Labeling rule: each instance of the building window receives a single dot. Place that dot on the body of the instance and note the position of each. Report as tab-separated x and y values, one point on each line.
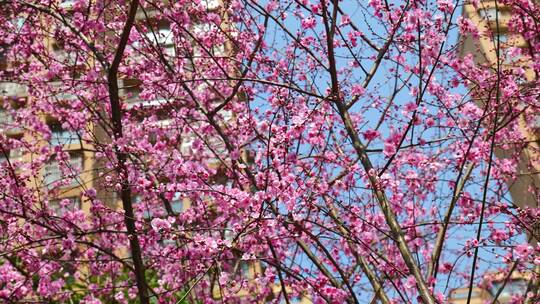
61	206
503	38
18	22
5	115
462	294
110	198
512	55
13	154
9	106
143	206
62	55
130	88
537	122
67	4
512	287
61	136
210	4
215	50
150	210
204	28
177	203
490	14
186	144
162	37
61	92
53	171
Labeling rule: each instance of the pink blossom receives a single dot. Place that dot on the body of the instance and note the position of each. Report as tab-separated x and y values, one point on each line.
160	224
523	250
370	134
445	5
389	148
357	90
430	122
308	23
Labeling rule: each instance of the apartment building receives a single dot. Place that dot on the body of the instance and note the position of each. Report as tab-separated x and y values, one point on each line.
495	288
492	17
504	49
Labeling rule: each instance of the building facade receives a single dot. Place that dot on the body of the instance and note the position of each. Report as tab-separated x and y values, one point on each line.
504	50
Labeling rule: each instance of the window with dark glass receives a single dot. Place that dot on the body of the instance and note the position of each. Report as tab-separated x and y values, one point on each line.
61	136
60	206
53	172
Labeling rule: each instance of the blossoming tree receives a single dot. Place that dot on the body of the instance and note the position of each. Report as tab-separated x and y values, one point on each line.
252	151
